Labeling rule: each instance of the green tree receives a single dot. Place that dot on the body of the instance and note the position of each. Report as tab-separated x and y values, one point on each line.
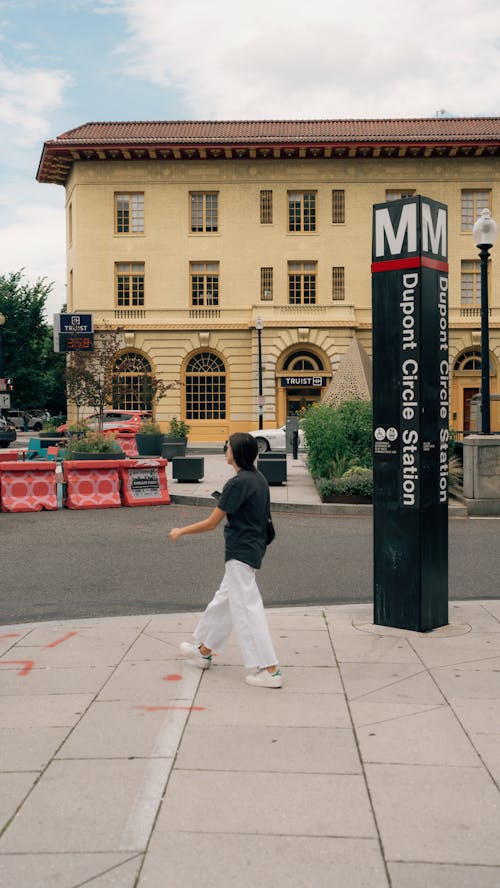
28	352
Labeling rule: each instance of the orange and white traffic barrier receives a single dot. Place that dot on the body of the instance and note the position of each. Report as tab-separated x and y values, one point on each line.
28	486
128	444
144	482
92	484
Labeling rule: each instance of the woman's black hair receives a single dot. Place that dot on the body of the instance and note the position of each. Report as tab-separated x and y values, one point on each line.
244	448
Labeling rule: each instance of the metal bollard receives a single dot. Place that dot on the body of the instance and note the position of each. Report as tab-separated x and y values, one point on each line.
295	443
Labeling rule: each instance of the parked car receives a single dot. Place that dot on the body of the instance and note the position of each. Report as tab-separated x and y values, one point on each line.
274	439
18	418
114	421
7	432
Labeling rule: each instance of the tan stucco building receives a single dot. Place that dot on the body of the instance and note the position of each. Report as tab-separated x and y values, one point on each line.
186	235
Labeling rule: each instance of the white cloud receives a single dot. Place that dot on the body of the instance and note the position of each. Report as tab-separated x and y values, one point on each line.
27	97
34	239
284	58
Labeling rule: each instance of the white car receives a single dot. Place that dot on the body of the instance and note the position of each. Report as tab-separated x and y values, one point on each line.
274	439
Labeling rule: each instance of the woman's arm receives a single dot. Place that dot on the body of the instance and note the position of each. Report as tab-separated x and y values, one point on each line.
209	523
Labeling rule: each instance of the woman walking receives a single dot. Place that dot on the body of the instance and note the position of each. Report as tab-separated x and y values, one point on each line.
238	603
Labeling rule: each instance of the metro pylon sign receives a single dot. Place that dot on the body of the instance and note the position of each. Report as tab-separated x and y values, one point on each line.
410	413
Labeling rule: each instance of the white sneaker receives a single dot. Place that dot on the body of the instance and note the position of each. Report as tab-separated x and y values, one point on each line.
264	679
194	655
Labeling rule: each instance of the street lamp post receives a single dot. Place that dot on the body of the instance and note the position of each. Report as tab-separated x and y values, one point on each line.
2	322
258	326
485	233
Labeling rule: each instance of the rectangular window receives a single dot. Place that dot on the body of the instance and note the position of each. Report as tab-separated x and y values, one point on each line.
338	206
204	211
302	211
129	213
266	207
129	284
338	283
302	283
472	204
266	284
399	195
204	283
470	284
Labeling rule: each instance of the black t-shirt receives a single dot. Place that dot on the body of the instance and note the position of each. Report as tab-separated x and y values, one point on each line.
245	500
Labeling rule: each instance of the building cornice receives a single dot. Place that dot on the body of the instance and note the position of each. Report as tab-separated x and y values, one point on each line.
327	140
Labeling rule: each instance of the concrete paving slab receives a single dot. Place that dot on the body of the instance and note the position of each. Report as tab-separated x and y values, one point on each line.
250	706
120	730
364	712
268	804
386	682
67	870
103	806
493	608
256	748
425	875
436	814
227	861
457	683
457	651
297	680
476	614
478	716
374	649
51	710
425	738
146	682
488	747
29	749
13	789
293	648
63	680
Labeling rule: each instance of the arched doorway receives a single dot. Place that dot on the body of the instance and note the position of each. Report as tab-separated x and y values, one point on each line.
301	382
206	396
132	375
467	383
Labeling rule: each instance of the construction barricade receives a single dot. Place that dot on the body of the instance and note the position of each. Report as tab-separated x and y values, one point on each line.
127	443
10	455
28	487
144	482
92	484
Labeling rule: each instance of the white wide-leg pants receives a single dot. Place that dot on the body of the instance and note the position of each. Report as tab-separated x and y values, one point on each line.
238	603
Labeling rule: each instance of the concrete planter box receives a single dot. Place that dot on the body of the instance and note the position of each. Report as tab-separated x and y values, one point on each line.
273	467
149	445
188	468
173	447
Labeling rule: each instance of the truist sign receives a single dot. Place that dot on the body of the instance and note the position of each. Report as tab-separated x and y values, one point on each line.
410	413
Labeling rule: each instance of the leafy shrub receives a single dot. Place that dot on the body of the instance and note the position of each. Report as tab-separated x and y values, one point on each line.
95	442
178	428
149	427
352	484
338	437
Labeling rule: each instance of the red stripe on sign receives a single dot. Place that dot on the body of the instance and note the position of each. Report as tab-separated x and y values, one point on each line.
434	263
409	262
395	264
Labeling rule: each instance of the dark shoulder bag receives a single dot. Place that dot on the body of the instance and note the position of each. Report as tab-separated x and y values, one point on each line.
270	531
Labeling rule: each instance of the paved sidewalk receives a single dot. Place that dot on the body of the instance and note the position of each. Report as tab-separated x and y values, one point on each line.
378	763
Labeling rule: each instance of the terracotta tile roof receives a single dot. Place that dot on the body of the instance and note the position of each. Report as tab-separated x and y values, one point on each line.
442	129
260	139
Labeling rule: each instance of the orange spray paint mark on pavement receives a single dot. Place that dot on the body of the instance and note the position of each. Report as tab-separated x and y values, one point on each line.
172	677
54	644
11	635
26	664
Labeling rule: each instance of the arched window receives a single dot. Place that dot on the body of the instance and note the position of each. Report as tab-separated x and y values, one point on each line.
132	382
468	360
303	360
205	387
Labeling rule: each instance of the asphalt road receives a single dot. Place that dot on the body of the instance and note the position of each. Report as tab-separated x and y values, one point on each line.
77	564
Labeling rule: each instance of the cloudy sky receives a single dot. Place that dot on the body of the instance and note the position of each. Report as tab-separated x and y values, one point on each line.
66	62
